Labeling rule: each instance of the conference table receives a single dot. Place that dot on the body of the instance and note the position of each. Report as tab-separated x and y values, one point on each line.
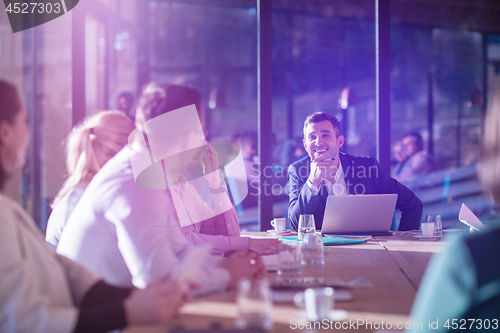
390	269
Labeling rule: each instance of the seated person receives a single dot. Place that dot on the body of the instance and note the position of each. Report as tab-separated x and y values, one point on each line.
124	103
418	162
129	234
327	172
399	157
462	284
199	223
89	146
42	291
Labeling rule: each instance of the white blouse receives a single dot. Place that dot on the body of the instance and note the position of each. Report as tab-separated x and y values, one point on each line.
39	289
60	214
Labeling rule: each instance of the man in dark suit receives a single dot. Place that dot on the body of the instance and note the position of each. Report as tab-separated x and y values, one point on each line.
327	172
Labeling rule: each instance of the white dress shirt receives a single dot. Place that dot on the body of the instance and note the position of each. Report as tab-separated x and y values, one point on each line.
130	235
336	188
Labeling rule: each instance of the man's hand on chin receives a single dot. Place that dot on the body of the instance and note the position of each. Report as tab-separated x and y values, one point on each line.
321	168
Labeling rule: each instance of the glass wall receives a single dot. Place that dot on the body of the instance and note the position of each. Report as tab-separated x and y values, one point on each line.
322	52
441	65
324	60
213	47
110	53
39	62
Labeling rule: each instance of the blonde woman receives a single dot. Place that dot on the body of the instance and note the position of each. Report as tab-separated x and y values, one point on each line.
461	287
89	146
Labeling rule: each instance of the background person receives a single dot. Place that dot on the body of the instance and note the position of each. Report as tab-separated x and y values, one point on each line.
41	291
463	283
326	171
124	103
418	161
399	157
89	146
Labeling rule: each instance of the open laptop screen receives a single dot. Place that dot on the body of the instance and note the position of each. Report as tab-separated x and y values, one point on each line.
369	214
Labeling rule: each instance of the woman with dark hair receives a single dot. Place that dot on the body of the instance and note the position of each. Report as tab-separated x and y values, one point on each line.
41	291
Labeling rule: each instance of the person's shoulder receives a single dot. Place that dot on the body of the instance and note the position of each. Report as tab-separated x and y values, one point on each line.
8	206
6	209
483	248
484	239
363	160
11	213
421	156
303	161
113	175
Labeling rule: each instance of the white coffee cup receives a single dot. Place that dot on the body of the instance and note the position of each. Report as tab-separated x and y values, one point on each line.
279	224
319	302
427	229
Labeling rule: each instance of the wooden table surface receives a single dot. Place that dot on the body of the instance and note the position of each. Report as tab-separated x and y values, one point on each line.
394	265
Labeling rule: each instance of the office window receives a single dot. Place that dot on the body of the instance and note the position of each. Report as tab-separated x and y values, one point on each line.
439	84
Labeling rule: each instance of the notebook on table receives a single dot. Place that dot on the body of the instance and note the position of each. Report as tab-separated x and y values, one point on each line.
369	214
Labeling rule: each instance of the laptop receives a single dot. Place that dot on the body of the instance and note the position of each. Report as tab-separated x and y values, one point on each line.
369	214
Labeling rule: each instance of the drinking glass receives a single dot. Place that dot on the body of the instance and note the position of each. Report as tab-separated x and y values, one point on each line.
313	252
254	302
306	225
289	258
319	302
436	219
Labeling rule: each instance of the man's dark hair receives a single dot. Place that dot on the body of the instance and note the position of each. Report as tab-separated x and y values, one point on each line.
418	139
318	117
159	98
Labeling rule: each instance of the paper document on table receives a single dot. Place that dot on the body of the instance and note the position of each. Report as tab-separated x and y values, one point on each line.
303	282
467	217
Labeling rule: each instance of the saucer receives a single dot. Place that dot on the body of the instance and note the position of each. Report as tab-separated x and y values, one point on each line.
335	315
427	237
274	232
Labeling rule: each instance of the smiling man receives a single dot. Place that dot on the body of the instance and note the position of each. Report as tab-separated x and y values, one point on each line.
326	171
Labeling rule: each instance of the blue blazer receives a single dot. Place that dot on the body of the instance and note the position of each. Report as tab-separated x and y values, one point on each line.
362	175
